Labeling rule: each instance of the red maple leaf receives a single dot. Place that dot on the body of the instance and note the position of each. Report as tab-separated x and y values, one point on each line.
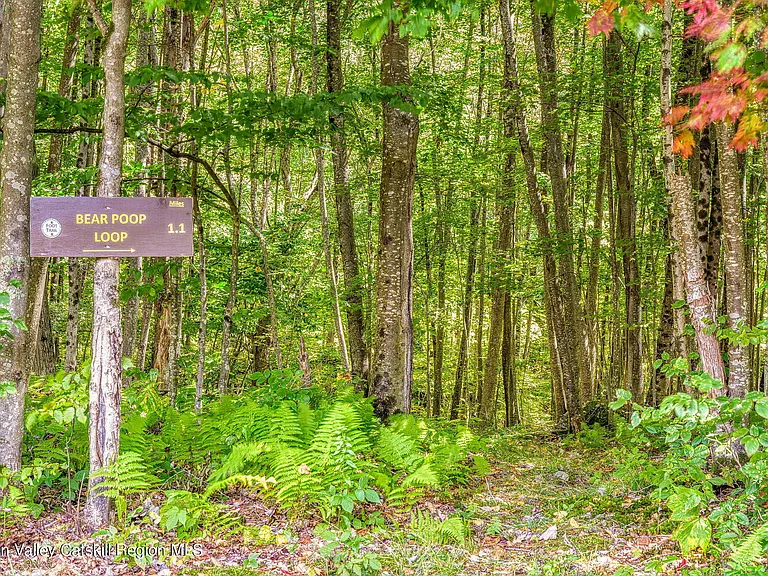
676	114
746	134
696	6
722	97
709	26
601	22
683	144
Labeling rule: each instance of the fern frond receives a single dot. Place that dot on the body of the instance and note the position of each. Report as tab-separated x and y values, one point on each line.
398	450
245	480
433	531
250	456
126	475
751	548
423	476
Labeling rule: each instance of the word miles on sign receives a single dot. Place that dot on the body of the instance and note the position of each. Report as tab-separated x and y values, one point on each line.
110	227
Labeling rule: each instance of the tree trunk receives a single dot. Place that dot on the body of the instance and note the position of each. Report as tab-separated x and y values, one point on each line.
442	206
393	370
590	306
679	185
76	267
319	153
353	285
499	292
106	349
203	324
572	344
141	157
44	360
65	84
565	378
660	383
735	260
17	163
627	209
481	288
229	308
508	360
461	362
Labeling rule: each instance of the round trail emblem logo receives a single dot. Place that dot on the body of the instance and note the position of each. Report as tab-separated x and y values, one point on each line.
51	228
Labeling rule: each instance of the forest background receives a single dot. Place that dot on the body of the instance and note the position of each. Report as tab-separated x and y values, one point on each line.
483	215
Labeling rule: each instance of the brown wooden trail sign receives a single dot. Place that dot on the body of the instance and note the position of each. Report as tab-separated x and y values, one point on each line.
110	227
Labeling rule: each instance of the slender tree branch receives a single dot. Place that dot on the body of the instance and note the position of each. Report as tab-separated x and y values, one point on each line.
98	18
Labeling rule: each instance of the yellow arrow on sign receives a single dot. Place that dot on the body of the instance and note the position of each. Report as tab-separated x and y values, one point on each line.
112	250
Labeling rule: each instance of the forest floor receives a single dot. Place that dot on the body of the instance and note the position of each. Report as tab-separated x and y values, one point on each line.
548	507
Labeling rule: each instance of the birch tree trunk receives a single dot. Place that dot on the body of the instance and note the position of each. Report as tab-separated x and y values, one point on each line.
735	260
393	358
679	186
106	348
17	166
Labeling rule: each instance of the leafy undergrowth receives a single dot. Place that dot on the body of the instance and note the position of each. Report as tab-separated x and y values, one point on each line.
544	507
306	481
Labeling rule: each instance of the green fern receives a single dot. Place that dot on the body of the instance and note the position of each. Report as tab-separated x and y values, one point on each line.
245	480
424	475
433	531
341	423
751	548
398	450
192	515
285	426
247	456
125	476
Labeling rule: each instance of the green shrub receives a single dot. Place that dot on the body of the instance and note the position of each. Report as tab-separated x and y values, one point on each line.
693	447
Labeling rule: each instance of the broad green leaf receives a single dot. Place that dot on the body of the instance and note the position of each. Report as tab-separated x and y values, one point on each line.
751	445
693	534
761	407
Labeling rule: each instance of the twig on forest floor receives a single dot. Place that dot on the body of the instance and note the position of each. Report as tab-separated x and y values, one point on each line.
571	546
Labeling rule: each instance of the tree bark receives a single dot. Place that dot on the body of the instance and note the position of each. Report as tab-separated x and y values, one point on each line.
229	308
141	157
469	284
508	360
44	360
627	214
393	369
353	284
679	186
442	205
565	380
660	387
572	343
319	153
65	84
499	293
735	259
76	267
106	349
17	163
